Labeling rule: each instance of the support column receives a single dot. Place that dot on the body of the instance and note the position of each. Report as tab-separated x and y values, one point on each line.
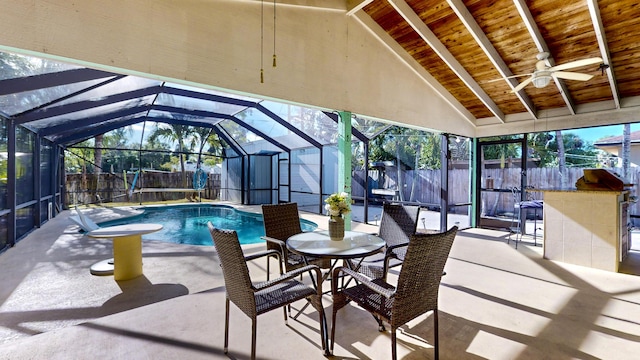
445	156
344	158
11	182
474	175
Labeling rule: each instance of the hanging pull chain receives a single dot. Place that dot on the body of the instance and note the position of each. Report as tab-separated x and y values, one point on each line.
274	33
262	42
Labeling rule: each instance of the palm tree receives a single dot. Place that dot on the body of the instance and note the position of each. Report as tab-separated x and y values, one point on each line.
176	133
118	138
201	135
404	147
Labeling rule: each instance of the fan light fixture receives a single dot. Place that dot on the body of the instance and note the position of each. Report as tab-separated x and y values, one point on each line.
542	79
543	73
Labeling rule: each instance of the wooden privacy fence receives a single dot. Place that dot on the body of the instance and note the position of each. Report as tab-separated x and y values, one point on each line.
418	186
106	187
427	189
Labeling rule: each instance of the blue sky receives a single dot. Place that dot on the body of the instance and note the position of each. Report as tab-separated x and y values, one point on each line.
593	134
587	134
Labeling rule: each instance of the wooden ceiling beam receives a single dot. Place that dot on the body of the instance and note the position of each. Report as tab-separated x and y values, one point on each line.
594	11
354	6
402	54
428	36
541	44
483	41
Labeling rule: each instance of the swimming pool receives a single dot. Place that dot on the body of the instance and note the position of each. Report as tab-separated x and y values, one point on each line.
187	224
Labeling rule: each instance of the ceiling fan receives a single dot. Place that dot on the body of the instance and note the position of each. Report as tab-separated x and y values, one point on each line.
543	73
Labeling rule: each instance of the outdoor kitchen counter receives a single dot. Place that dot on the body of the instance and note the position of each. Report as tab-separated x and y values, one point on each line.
572	190
586	227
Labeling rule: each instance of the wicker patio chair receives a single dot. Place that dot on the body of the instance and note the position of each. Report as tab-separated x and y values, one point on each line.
415	293
398	224
258	298
282	221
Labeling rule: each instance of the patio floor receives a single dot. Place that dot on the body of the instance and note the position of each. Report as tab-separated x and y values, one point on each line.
496	302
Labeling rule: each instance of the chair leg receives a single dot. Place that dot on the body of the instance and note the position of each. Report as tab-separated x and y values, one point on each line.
226	326
254	329
520	227
385	268
324	332
333	328
535	225
268	267
381	327
435	334
513	229
394	351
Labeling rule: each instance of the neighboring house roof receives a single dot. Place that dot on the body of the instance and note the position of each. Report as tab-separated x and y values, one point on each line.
617	140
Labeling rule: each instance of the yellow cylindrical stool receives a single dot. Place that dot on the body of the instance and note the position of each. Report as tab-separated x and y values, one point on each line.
127	247
127	257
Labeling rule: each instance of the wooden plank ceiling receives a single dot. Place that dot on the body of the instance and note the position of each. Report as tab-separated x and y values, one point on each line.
466	44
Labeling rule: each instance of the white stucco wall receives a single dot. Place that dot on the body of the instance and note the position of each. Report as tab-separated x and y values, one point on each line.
634	153
325	58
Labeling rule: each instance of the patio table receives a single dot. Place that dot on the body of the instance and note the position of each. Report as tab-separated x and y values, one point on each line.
318	244
127	249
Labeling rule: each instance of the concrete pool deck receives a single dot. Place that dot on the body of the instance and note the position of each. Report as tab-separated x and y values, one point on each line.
496	302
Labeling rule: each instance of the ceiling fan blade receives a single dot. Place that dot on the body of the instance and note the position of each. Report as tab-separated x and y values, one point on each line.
568	75
509	77
577	63
522	85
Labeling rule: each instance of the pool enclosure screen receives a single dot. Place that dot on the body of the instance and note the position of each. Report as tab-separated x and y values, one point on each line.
73	135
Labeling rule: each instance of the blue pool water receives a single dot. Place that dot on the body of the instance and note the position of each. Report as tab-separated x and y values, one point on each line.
188	224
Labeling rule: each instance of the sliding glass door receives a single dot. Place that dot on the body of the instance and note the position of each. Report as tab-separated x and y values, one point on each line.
501	168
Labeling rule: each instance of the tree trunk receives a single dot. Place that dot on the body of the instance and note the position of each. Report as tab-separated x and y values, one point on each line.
182	169
414	183
626	151
400	181
562	166
97	157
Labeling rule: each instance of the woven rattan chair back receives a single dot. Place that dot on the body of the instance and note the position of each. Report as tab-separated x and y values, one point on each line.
398	224
420	276
260	297
281	221
234	270
415	293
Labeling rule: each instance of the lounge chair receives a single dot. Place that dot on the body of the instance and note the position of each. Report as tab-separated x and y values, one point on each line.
83	221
